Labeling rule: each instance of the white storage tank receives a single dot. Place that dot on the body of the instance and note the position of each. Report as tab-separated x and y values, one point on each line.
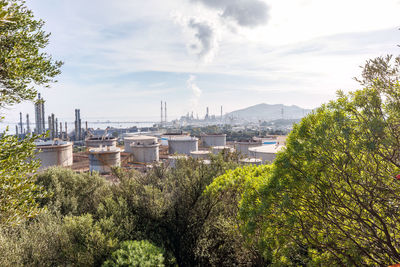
200	154
173	159
101	141
102	159
183	145
142	139
218	149
54	153
210	140
251	161
145	149
243	146
266	153
165	137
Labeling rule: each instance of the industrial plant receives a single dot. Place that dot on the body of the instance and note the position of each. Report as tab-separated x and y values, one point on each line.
100	150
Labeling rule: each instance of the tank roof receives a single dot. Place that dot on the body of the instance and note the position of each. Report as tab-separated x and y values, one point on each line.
250	160
183	138
268	149
100	138
104	150
200	152
140	138
52	143
213	134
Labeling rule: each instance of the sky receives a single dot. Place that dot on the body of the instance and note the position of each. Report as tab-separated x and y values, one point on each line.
123	57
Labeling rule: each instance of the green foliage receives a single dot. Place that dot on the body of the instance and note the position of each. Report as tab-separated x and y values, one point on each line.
22	64
332	197
137	253
21	57
83	243
223	239
71	192
18	190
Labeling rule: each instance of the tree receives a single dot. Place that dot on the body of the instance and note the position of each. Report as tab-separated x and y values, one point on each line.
22	61
18	190
22	64
333	193
137	253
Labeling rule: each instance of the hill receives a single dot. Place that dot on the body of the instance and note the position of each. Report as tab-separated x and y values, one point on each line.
267	112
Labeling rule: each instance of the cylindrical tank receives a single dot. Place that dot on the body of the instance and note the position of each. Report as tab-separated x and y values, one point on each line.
210	140
250	161
145	153
165	137
183	145
243	146
200	154
101	141
138	139
173	159
266	153
218	149
54	153
102	159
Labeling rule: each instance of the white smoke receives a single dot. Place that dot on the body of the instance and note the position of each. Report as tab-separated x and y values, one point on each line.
206	43
195	90
246	13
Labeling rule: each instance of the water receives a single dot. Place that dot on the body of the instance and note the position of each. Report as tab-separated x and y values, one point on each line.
101	124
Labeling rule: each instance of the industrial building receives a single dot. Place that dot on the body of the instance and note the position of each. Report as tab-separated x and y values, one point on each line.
218	149
145	149
210	140
174	159
183	145
266	153
102	159
243	146
54	153
39	116
251	161
101	141
200	154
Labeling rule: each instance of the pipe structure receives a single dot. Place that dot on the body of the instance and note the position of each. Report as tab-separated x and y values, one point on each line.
20	123
28	126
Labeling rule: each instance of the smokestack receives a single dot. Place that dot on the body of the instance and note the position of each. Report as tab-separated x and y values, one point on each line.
16	130
50	124
80	124
20	123
56	133
42	116
221	113
28	126
53	126
161	113
165	106
61	131
86	128
66	131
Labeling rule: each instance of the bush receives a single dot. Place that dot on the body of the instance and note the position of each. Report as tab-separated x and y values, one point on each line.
136	253
71	193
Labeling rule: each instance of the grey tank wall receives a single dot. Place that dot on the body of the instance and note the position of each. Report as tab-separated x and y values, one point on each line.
182	146
243	148
145	153
213	140
101	143
55	156
102	162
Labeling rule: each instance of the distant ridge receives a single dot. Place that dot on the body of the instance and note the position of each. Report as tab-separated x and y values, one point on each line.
267	112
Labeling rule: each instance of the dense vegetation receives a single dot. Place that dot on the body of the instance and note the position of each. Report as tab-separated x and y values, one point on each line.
23	66
331	198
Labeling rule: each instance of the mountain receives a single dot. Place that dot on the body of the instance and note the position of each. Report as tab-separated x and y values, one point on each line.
266	112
